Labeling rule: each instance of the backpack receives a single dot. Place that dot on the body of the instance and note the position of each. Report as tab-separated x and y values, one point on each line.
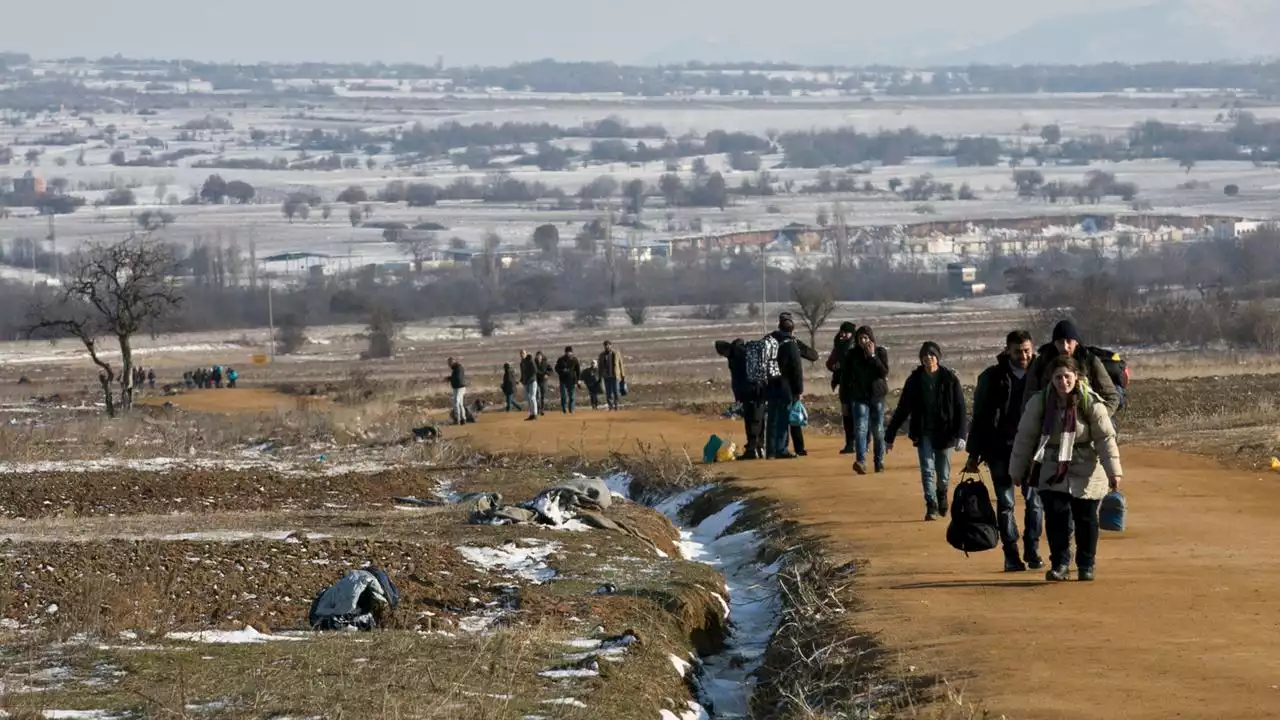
973	518
1114	362
1111	514
757	357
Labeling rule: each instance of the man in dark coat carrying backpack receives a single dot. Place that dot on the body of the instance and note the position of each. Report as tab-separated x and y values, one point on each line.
1067	341
747	393
997	409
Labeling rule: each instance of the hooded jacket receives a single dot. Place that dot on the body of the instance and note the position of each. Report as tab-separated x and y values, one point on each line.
997	409
839	349
457	376
1095	442
951	423
1041	372
508	380
864	378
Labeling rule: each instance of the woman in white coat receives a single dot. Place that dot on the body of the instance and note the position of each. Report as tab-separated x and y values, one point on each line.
1066	447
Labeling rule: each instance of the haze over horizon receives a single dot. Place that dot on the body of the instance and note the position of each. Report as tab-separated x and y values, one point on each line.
808	31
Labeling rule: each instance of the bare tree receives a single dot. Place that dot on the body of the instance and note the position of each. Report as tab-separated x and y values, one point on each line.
111	290
636	305
815	302
417	245
292	334
382	333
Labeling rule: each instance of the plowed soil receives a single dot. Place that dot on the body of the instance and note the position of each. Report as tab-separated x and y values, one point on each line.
1183	621
128	492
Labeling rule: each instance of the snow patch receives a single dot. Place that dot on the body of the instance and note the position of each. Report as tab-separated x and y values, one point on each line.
228	637
526	563
695	712
568	701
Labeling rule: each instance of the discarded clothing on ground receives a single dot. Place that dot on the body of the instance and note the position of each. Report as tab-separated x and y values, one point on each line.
580	498
426	432
360	600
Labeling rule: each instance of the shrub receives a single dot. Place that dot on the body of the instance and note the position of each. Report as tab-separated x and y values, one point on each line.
292	334
381	335
593	314
637	308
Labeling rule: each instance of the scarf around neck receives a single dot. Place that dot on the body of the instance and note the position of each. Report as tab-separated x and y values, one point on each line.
1070	424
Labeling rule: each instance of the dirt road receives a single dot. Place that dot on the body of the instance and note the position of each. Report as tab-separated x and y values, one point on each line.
1183	621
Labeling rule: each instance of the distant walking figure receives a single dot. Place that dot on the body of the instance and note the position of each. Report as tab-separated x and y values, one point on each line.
611	372
458	383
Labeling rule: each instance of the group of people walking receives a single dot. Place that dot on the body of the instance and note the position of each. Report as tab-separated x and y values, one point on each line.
209	377
604	376
142	377
1042	421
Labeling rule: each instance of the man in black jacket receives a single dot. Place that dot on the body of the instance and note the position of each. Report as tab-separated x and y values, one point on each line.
747	394
529	379
997	409
864	381
544	372
785	387
458	383
933	399
569	373
836	366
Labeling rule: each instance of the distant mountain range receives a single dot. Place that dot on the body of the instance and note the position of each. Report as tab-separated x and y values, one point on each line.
1183	30
1180	30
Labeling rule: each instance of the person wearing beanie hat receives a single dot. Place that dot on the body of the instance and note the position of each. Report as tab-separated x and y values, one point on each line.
1068	342
865	383
933	400
835	365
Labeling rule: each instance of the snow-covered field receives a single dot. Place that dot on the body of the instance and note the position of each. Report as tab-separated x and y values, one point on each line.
265	226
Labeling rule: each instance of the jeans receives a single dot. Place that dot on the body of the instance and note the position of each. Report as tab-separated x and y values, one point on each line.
511	402
460	405
1005	496
611	392
542	398
868	421
531	398
935	473
777	426
594	392
753	412
567	391
1060	511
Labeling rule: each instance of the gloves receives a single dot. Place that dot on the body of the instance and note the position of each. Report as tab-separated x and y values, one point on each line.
960	445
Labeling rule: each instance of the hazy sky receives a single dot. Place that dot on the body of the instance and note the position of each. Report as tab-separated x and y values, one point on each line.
502	31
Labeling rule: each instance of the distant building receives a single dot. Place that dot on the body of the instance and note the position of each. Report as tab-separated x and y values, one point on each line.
962	280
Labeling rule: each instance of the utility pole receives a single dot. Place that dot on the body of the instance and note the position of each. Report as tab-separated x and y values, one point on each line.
271	325
764	286
53	248
608	249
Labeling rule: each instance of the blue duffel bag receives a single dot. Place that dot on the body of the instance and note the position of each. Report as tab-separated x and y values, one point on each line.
1111	515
